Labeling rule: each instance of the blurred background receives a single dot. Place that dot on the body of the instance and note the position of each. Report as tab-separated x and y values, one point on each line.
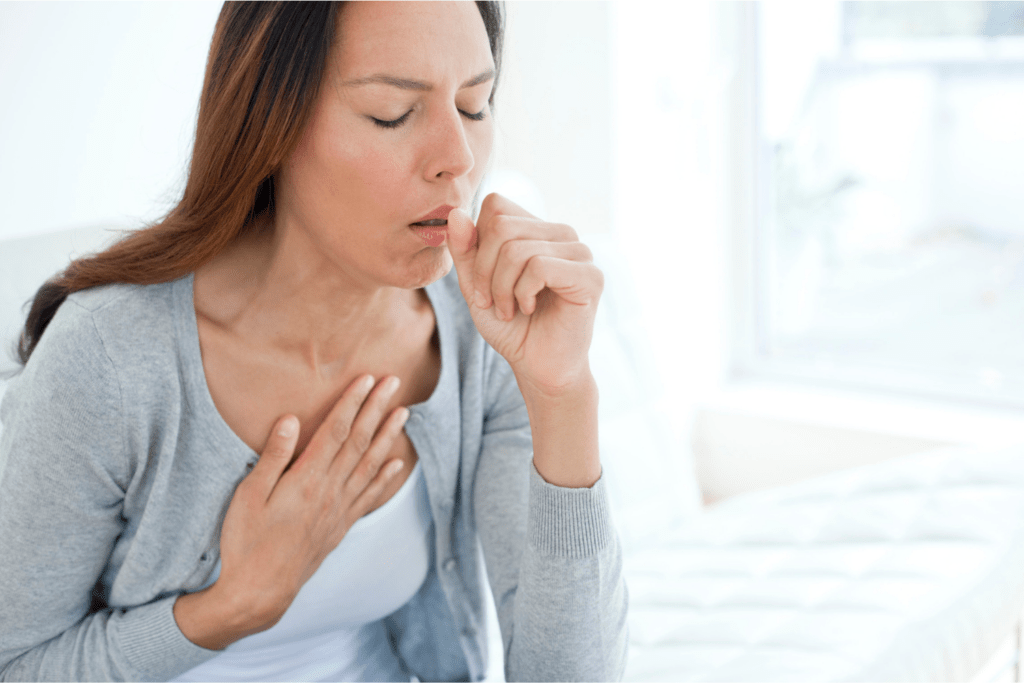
810	211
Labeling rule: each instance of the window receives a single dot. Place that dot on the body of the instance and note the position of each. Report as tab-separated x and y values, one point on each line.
889	239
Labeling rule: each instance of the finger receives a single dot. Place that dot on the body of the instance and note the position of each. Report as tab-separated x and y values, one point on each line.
375	488
276	455
335	430
576	282
512	260
462	247
501	229
495	204
369	465
365	426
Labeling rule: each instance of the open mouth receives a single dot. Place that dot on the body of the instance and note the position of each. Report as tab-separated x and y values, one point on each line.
434	232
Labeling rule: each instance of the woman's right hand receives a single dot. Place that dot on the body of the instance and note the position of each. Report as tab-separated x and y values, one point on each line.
286	516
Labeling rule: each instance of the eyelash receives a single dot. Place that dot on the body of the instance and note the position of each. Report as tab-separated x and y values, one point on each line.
395	123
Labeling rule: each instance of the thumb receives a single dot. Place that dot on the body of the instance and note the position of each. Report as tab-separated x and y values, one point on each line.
463	247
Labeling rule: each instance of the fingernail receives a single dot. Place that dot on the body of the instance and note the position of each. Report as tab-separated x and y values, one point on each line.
403	416
394	467
392	383
287	426
480	299
368	383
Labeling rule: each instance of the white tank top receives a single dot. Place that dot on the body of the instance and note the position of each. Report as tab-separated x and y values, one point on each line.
333	629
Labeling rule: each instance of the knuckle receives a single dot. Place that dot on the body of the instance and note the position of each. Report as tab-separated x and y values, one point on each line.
482	277
276	451
489	201
512	250
503	226
361	476
567	232
340	429
310	489
375	457
360	440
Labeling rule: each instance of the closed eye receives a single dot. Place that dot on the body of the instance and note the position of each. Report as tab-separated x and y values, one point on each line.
479	116
395	123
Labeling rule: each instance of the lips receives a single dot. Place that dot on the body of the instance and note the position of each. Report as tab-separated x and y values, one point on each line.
436	218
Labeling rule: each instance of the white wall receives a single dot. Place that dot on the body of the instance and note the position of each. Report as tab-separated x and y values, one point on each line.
99	106
100	101
554	108
670	78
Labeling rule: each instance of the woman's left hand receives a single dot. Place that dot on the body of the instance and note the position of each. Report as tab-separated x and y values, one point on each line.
532	290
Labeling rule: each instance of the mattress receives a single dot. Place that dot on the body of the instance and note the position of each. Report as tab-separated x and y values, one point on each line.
910	569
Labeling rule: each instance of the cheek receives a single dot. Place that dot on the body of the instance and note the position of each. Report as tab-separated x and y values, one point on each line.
380	171
357	175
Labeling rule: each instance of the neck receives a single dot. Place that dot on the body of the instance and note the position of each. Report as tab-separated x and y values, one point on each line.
275	289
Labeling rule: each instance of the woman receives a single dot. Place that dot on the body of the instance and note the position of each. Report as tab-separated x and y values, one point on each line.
297	304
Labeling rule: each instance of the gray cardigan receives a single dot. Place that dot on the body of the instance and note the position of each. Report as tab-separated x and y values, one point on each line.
119	470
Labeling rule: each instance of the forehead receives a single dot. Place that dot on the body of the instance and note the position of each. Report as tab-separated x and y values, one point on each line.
411	39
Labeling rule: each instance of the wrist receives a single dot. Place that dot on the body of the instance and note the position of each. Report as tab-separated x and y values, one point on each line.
581	389
214	618
565	433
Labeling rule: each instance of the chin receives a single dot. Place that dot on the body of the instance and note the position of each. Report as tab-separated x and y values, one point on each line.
429	266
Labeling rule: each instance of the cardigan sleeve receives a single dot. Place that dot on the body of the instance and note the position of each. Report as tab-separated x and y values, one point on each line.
65	470
553	557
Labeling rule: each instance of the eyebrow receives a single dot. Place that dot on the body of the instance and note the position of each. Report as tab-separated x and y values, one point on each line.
409	84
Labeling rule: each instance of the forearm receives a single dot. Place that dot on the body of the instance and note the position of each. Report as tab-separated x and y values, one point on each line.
136	644
569	618
559	587
553	557
565	436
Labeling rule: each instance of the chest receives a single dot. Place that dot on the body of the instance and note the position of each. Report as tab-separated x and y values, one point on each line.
253	387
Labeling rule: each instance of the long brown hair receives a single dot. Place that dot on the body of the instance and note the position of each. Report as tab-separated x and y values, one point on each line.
263	75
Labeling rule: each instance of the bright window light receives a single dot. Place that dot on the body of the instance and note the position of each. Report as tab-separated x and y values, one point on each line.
890	237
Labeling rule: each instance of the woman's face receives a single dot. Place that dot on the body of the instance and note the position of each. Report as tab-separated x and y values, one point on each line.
402	127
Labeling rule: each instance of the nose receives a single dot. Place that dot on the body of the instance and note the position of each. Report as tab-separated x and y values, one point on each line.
449	153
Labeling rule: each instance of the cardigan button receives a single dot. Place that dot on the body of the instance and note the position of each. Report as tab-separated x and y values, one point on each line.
469	632
450	564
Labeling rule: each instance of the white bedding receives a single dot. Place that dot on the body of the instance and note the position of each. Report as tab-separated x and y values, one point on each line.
912	569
